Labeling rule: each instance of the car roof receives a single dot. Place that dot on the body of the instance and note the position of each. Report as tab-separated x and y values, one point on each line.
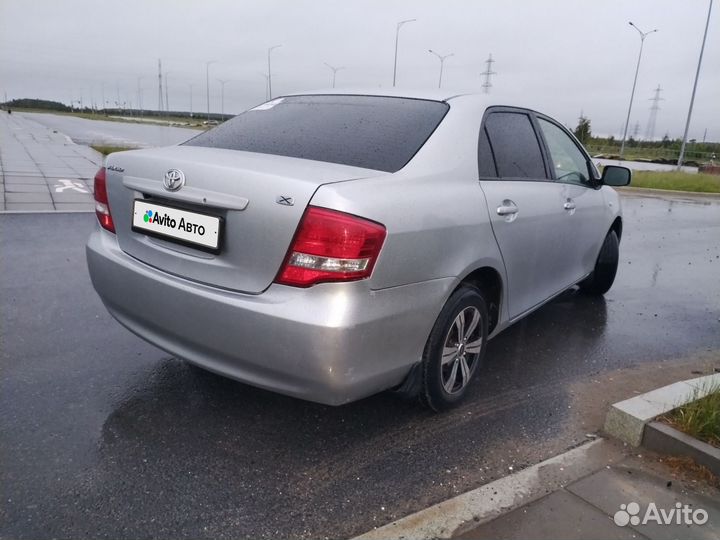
416	93
434	94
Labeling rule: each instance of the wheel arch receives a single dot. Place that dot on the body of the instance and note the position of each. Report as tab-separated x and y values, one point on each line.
617	226
490	283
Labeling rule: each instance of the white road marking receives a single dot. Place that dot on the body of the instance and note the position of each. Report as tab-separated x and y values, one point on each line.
70	184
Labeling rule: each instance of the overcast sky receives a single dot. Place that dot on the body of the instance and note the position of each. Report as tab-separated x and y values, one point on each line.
560	56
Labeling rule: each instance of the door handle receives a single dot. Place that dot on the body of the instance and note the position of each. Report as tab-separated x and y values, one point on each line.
569	205
508	208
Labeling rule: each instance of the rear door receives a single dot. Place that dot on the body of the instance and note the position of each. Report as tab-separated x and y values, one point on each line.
523	205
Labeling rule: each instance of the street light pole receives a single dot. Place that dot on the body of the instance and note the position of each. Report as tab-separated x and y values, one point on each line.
334	70
442	63
270	72
397	36
643	35
222	96
207	85
167	103
191	92
267	80
139	98
692	97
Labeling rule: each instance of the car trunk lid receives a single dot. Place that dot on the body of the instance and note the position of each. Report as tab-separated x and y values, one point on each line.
259	198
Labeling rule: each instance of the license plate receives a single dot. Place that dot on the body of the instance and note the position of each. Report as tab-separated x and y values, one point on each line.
199	230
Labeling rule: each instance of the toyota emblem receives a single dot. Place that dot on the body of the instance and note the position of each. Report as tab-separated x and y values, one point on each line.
174	180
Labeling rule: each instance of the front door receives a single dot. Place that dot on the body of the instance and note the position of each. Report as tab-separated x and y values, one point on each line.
583	230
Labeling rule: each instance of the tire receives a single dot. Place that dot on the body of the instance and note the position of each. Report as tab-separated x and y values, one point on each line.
603	275
445	380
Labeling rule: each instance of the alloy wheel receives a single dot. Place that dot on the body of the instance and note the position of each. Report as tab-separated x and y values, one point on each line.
461	350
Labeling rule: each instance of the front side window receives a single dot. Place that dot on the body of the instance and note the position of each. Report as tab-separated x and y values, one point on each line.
568	161
372	132
515	146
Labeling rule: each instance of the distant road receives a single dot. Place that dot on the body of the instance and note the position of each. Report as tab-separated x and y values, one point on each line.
643	165
84	131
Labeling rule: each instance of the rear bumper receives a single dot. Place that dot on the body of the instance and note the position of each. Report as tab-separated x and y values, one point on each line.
332	343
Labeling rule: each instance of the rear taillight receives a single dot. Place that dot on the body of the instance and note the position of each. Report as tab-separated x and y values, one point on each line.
331	246
102	206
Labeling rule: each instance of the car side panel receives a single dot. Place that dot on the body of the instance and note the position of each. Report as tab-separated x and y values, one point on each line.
584	230
529	240
436	227
613	210
433	208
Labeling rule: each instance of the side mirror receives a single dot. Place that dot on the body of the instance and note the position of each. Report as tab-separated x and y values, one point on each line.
613	175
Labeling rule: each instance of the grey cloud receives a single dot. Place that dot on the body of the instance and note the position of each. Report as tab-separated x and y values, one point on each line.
562	57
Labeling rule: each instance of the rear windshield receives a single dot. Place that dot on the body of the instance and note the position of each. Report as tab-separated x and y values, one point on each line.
381	133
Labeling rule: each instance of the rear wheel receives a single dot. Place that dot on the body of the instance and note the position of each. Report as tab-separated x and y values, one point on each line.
455	349
603	275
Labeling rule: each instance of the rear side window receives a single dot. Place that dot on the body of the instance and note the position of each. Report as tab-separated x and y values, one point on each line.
515	146
486	161
373	132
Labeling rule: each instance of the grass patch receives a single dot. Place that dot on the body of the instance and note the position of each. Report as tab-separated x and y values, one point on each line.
106	149
679	181
700	418
655	153
686	468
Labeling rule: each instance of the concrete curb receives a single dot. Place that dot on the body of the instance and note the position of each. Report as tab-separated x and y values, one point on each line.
665	439
464	512
626	420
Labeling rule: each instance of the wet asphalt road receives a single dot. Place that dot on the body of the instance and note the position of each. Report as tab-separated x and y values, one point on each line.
102	435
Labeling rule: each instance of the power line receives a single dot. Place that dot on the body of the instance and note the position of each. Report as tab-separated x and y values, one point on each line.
160	90
488	73
654	108
167	99
643	35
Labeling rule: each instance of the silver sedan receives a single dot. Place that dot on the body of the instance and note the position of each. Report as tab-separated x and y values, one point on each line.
330	246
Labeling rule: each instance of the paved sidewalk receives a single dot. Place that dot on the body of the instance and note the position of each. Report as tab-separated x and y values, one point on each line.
586	508
599	490
43	170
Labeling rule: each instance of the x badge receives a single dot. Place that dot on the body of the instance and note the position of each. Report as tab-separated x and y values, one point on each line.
286	201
